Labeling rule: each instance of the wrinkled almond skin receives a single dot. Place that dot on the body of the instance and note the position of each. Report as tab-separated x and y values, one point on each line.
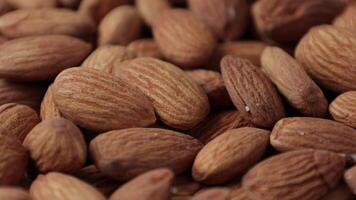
178	101
350	178
56	145
230	155
348	18
13	193
302	174
145	48
195	44
293	82
57	186
251	91
326	52
126	153
154	184
48	109
100	101
213	193
26	4
39	58
150	9
343	108
237	192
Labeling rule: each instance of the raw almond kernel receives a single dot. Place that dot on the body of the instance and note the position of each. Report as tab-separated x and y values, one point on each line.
56	145
343	108
26	4
293	82
126	153
178	100
350	178
145	48
48	109
150	9
326	52
348	18
57	186
154	184
302	174
341	192
120	26
237	192
213	193
251	91
183	39
100	101
20	23
40	57
13	193
230	155
18	120
315	133
226	18
184	185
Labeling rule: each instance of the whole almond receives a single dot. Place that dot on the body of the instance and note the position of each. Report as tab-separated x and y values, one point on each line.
154	184
126	153
350	178
13	193
150	9
293	82
145	48
48	109
26	4
343	108
178	100
348	18
40	57
326	52
183	39
100	101
213	193
303	174
230	155
251	91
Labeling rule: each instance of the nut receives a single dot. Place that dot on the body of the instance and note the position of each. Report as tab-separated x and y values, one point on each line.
145	48
150	9
13	193
343	108
48	109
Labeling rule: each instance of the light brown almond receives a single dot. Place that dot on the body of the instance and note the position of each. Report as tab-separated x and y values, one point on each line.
26	4
150	9
348	18
145	48
13	193
343	108
350	178
48	108
184	185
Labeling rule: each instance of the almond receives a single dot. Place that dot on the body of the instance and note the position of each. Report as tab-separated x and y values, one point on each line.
184	185
237	192
25	4
326	52
5	7
13	193
127	153
145	48
48	109
341	192
99	101
348	18
350	178
178	100
343	108
213	193
150	9
251	92
183	39
303	174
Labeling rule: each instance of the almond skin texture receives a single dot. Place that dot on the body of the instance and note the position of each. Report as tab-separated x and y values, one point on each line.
315	133
183	39
40	57
145	48
13	193
251	91
184	185
18	120
25	4
56	145
127	153
178	101
293	82
21	23
348	18
154	184
150	9
57	186
230	155
303	174
48	109
350	178
213	193
99	101
343	108
326	52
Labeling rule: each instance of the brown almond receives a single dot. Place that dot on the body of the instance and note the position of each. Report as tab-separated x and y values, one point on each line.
145	48
213	193
26	4
184	185
343	108
48	108
5	7
13	193
347	19
237	192
150	9
341	192
350	178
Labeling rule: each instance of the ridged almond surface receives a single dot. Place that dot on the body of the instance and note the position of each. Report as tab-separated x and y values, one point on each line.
26	4
213	193
327	54
40	57
13	193
100	101
124	154
154	184
237	192
230	155
183	38
302	174
48	109
178	100
150	9
251	91
145	48
348	18
293	82
343	108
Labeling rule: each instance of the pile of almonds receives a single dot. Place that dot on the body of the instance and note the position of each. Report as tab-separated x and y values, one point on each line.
177	99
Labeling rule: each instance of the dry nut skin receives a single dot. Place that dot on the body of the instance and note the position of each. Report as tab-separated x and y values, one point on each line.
120	26
341	192
150	9
184	185
213	193
343	108
57	186
230	155
183	38
18	120
154	184
226	18
303	174
251	91
100	101
237	192
40	57
145	48
350	178
26	4
56	145
48	109
286	21
13	193
124	154
327	54
293	82
178	101
348	18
